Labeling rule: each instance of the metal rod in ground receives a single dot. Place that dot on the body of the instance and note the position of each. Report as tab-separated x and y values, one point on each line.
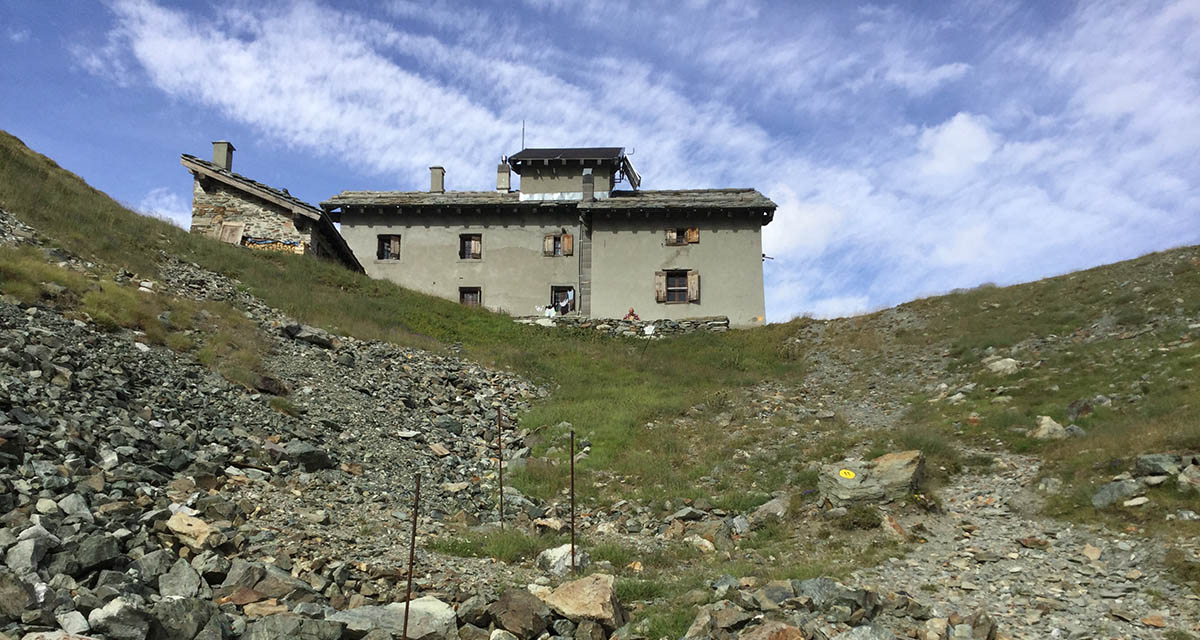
412	555
500	460
572	501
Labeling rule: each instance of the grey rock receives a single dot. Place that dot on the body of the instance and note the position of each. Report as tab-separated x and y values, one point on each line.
181	581
187	619
557	560
687	514
311	335
97	551
15	596
1188	480
75	505
309	456
123	618
154	564
72	622
428	619
1114	492
473	611
26	555
521	613
1157	464
289	626
868	632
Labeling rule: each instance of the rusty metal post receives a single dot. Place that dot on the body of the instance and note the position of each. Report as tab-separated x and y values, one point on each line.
500	460
572	502
412	555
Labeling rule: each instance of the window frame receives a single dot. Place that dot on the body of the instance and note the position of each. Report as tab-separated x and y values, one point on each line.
680	290
564	289
681	236
463	292
380	245
464	252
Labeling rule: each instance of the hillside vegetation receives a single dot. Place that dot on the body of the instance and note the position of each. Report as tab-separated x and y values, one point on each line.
723	423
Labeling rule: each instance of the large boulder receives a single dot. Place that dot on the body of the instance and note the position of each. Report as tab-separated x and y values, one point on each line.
591	598
428	619
309	456
289	626
1188	480
1157	464
194	532
520	613
311	335
892	476
1114	492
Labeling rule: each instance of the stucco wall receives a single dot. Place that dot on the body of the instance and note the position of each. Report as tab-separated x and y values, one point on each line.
214	203
626	253
560	179
513	274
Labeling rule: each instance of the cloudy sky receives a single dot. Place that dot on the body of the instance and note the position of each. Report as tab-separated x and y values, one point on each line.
912	148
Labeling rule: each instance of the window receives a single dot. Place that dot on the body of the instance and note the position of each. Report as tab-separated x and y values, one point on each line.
680	236
562	244
388	247
470	296
677	286
562	299
470	246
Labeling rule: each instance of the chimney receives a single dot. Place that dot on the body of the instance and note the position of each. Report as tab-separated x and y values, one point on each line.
437	180
503	178
589	186
223	154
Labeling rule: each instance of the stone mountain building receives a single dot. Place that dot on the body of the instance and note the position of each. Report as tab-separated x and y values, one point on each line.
235	209
568	238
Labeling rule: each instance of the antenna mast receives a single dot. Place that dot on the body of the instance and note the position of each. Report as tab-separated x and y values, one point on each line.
522	133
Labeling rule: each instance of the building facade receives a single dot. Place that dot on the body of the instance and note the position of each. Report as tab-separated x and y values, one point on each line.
233	208
567	240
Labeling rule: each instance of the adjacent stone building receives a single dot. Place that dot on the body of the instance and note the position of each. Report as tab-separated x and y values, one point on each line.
235	209
568	239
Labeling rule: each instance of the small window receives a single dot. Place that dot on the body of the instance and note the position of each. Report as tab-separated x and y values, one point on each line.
388	247
677	286
558	244
470	296
470	246
680	236
562	299
231	232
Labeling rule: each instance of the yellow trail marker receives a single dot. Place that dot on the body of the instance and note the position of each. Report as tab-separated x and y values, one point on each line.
847	474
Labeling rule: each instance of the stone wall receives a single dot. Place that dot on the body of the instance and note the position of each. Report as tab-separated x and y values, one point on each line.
634	328
267	226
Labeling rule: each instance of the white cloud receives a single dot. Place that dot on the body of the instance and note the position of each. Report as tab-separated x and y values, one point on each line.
19	35
168	205
955	147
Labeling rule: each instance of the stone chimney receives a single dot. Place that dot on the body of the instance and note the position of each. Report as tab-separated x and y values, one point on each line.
503	178
223	154
437	180
589	186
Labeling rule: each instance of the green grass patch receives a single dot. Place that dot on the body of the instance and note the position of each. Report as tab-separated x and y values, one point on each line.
510	545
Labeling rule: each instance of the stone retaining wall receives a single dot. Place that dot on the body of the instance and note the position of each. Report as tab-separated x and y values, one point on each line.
634	328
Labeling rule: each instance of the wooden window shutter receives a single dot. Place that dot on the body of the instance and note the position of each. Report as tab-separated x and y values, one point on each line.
476	247
660	286
548	245
670	239
231	232
394	247
693	286
693	235
568	244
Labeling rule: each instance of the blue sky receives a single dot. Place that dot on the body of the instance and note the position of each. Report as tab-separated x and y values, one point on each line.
912	148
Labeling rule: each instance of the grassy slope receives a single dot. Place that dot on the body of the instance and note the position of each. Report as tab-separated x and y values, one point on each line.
606	387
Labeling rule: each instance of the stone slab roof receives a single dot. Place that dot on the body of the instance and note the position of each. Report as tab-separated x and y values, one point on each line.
618	200
578	153
252	186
